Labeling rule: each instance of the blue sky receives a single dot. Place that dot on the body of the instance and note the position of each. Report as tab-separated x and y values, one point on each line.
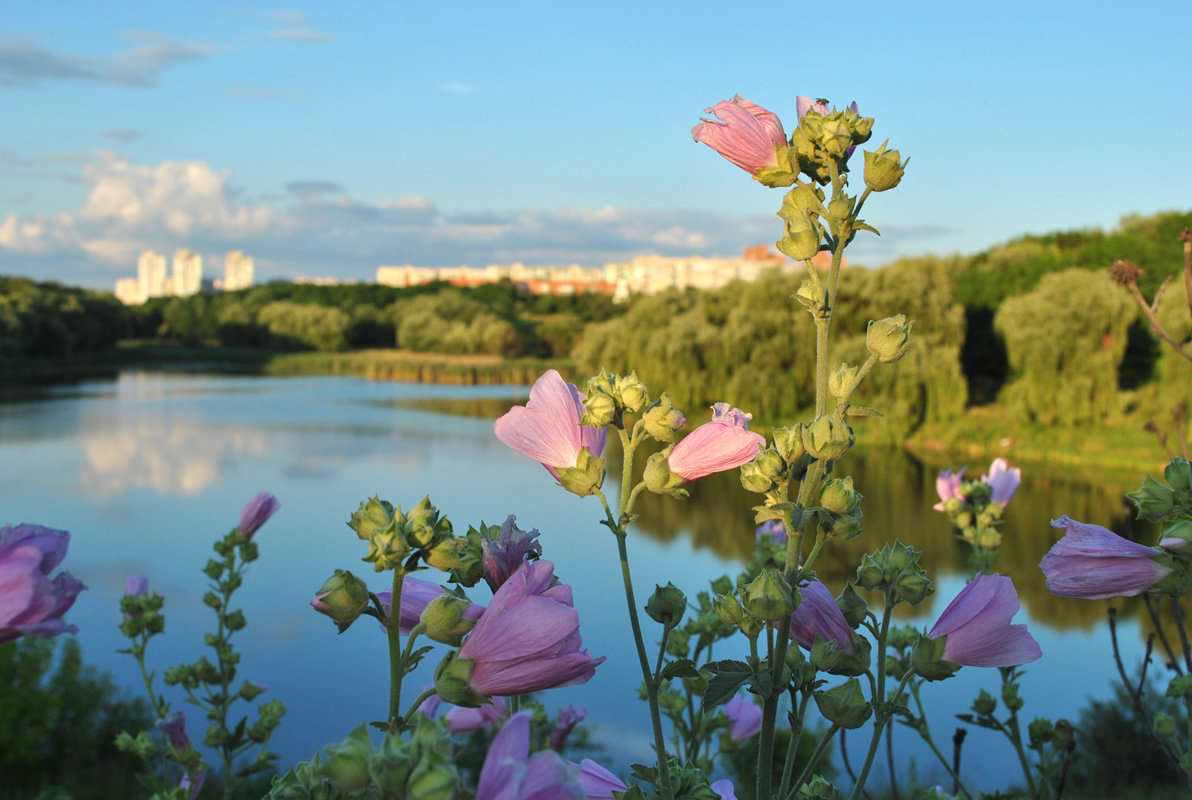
327	139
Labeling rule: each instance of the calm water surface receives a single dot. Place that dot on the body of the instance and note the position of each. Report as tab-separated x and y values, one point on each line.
148	470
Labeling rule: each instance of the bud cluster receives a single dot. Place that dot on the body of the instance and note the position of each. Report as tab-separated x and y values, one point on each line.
895	571
400	540
822	143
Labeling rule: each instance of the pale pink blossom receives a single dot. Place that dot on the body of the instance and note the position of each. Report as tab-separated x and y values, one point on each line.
744	716
547	428
748	134
803	104
722	444
1003	481
1095	563
977	624
947	486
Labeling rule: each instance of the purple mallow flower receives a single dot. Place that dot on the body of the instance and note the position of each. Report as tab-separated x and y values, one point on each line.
136	585
502	557
947	486
511	773
724	788
31	602
195	786
818	616
598	782
528	638
1094	563
772	528
722	444
745	717
416	595
569	717
547	428
257	513
747	135
977	624
465	720
173	725
1003	481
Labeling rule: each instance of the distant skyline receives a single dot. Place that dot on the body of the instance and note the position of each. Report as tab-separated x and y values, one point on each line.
330	139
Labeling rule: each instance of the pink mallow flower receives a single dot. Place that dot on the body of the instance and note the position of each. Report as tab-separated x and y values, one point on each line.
818	616
257	513
569	717
528	638
748	134
465	720
547	427
1003	481
512	547
511	773
745	717
722	444
803	104
598	782
1094	563
947	486
31	602
977	624
416	595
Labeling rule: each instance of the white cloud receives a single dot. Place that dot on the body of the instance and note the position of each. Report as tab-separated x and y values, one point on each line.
296	29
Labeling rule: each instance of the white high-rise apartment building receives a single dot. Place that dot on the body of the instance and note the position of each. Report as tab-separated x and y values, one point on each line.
188	272
151	275
238	271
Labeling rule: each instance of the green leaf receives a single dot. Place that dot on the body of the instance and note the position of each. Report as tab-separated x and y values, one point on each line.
727	678
680	668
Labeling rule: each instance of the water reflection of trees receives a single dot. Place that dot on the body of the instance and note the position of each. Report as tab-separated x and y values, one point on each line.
899	493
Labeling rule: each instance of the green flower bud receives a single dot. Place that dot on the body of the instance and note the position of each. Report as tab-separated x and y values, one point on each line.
802	238
1164	725
843	381
1178	475
387	551
346	765
1040	732
423	526
444	619
604	383
343	597
852	605
828	438
728	608
1154	500
834	136
633	393
805	199
452	682
985	704
927	659
888	339
659	478
667	605
913	586
585	477
1180	686
373	516
883	170
861	127
431	781
841	206
839	497
662	420
768	597
870	574
448	554
788	442
599	410
826	657
811	296
754	479
844	705
389	765
846	527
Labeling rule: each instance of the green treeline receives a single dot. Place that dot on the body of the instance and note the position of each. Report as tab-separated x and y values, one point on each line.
1035	325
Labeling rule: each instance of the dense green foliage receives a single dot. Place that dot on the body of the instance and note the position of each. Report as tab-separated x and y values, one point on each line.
58	724
1065	341
53	321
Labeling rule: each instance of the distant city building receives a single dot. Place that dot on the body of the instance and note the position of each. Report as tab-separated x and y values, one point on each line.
188	272
539	280
325	281
152	275
238	271
128	291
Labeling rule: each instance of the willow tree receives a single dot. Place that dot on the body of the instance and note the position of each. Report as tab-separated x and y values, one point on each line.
1065	341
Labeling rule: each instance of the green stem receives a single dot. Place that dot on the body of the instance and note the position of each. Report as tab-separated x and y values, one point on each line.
792	747
1014	734
925	734
396	657
879	702
808	770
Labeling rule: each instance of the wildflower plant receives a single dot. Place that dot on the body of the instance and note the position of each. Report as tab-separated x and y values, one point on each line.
175	768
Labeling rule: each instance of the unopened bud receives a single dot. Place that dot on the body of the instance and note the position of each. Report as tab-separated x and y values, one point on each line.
788	442
843	381
828	437
839	497
844	705
768	597
585	477
444	619
599	410
662	420
343	597
633	393
801	240
889	339
659	478
728	608
883	170
667	605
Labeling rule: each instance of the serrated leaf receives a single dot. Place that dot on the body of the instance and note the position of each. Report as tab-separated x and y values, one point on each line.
862	225
727	677
680	668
